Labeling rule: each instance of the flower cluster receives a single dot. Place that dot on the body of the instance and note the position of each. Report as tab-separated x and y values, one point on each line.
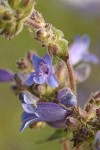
37	108
47	86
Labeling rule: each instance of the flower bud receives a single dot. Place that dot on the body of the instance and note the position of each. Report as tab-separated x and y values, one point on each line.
7	16
67	98
38	20
42	36
72	123
12	16
19	79
28	98
41	89
80	112
98	112
14	3
53	49
23	64
30	55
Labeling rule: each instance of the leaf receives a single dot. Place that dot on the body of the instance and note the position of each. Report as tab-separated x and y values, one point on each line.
58	134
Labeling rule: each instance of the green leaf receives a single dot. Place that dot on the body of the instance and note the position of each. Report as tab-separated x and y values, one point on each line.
58	134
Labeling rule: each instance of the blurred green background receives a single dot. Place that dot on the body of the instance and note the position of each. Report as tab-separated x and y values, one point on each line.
71	22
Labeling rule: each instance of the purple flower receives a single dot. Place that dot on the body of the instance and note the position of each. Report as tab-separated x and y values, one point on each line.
43	72
49	112
6	75
66	97
88	7
79	51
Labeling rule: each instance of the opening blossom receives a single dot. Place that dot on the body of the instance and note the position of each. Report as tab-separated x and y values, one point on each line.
44	72
79	51
80	56
54	114
66	97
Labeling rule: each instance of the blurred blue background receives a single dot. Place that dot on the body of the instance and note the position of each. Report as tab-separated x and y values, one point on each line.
71	21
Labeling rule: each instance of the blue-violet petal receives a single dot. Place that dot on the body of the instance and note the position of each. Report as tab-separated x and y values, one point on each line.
52	80
36	60
29	80
6	75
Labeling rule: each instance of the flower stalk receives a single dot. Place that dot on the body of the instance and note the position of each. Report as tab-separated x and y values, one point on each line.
71	76
65	143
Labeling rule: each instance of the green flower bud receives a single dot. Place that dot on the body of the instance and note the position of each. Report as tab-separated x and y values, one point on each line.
12	16
17	4
42	36
14	3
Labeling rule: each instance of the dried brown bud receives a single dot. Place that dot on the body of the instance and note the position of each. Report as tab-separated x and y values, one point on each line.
30	55
38	90
19	79
37	20
98	112
97	95
80	112
72	123
37	17
53	49
41	89
23	64
89	108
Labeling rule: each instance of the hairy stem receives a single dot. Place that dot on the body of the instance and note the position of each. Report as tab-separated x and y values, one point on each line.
65	144
71	76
